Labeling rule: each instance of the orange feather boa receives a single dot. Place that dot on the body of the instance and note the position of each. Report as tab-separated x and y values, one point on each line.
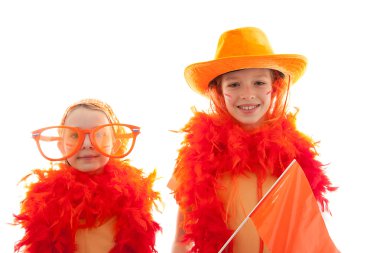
63	200
213	146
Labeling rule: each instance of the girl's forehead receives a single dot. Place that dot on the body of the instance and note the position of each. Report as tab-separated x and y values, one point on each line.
81	116
91	104
252	72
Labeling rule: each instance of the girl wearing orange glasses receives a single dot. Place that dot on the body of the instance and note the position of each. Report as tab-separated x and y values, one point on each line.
95	201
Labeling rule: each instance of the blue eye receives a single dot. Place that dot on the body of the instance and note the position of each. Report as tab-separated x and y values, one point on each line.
100	134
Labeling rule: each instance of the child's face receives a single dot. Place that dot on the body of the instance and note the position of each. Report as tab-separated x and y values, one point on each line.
87	159
247	94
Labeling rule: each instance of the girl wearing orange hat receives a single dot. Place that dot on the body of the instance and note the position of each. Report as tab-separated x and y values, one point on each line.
91	200
232	155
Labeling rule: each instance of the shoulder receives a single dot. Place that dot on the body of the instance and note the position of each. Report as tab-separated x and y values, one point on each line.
198	120
130	175
39	179
203	127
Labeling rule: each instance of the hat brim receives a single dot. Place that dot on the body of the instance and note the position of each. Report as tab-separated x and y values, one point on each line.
199	75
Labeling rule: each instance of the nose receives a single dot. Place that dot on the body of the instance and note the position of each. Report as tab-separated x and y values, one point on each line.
87	142
247	93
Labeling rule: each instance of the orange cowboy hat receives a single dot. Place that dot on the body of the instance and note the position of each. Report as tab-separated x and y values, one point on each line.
246	47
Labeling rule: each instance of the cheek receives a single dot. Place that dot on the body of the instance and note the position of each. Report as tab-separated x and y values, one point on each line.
71	160
269	97
228	100
227	96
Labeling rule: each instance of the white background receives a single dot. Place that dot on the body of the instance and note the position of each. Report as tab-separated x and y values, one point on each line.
132	54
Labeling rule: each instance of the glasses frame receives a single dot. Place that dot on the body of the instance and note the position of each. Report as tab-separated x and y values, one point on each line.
36	135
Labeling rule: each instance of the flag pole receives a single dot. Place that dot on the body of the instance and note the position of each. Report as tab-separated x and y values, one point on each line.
254	208
236	231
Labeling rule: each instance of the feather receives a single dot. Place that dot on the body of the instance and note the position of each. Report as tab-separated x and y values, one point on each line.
212	148
64	200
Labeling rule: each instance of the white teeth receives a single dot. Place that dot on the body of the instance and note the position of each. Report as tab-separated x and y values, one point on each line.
248	107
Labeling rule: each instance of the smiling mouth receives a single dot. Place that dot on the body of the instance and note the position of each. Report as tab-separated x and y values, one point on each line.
247	107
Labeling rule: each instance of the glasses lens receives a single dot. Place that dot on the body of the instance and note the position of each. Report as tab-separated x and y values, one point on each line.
58	142
114	140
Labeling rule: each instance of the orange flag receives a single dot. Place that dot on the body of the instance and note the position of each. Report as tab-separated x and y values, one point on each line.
288	218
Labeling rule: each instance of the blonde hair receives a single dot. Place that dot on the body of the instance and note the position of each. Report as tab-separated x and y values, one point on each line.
93	104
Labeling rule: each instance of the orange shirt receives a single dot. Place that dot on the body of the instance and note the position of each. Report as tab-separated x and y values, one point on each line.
239	195
96	240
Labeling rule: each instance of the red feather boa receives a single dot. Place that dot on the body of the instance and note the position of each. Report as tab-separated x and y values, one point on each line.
66	199
213	146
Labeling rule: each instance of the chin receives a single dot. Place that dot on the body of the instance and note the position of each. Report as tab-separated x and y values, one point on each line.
249	125
90	170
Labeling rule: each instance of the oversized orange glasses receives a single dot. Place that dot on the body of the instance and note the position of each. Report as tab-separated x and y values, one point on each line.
57	143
